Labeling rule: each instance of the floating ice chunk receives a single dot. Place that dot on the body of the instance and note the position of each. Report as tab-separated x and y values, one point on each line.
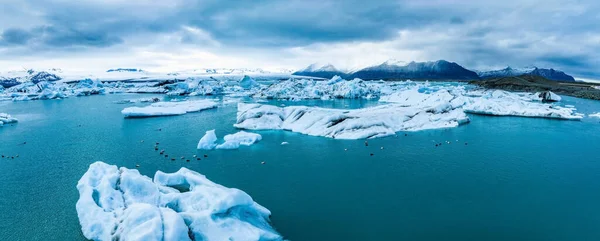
6	119
233	141
208	141
169	108
121	204
348	124
597	115
248	83
284	143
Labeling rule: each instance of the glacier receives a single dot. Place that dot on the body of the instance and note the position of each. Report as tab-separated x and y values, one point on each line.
169	108
7	119
231	141
121	204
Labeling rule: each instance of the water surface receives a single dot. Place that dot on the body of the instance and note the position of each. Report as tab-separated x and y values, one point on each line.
501	178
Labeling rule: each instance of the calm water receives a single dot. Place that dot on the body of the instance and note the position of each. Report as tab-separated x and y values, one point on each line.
517	179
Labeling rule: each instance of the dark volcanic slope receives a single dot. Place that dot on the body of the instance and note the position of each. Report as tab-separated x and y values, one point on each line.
532	83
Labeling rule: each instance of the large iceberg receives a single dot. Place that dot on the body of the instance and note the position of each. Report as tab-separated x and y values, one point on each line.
486	102
121	204
232	141
298	89
169	108
369	122
6	119
503	103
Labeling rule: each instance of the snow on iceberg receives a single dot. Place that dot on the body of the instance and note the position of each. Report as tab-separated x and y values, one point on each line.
369	122
121	204
169	108
6	119
232	141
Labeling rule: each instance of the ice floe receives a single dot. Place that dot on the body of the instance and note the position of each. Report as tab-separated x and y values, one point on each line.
6	119
169	108
597	115
121	204
231	141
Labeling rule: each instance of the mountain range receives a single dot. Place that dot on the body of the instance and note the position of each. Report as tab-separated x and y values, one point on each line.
434	70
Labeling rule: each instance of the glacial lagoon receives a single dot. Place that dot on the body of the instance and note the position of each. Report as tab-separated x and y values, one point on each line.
495	178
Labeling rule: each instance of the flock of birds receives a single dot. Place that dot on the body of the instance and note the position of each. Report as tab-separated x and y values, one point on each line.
162	153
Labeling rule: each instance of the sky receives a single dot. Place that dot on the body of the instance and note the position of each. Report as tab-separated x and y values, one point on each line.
187	34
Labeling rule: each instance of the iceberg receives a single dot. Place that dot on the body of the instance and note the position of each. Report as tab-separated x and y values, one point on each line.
363	123
121	204
503	103
597	115
248	83
484	102
169	108
208	141
232	141
299	89
6	119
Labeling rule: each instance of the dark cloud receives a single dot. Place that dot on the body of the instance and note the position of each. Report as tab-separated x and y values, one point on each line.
15	36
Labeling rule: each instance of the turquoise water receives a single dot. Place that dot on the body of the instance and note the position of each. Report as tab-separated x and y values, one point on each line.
517	179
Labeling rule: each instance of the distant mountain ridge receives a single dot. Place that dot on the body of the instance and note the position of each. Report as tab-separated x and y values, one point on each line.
393	69
550	74
434	70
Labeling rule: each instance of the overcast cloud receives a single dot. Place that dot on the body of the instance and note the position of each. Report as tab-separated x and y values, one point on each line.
184	34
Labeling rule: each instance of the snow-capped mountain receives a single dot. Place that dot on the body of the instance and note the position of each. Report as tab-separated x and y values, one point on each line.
506	72
550	74
392	69
322	71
